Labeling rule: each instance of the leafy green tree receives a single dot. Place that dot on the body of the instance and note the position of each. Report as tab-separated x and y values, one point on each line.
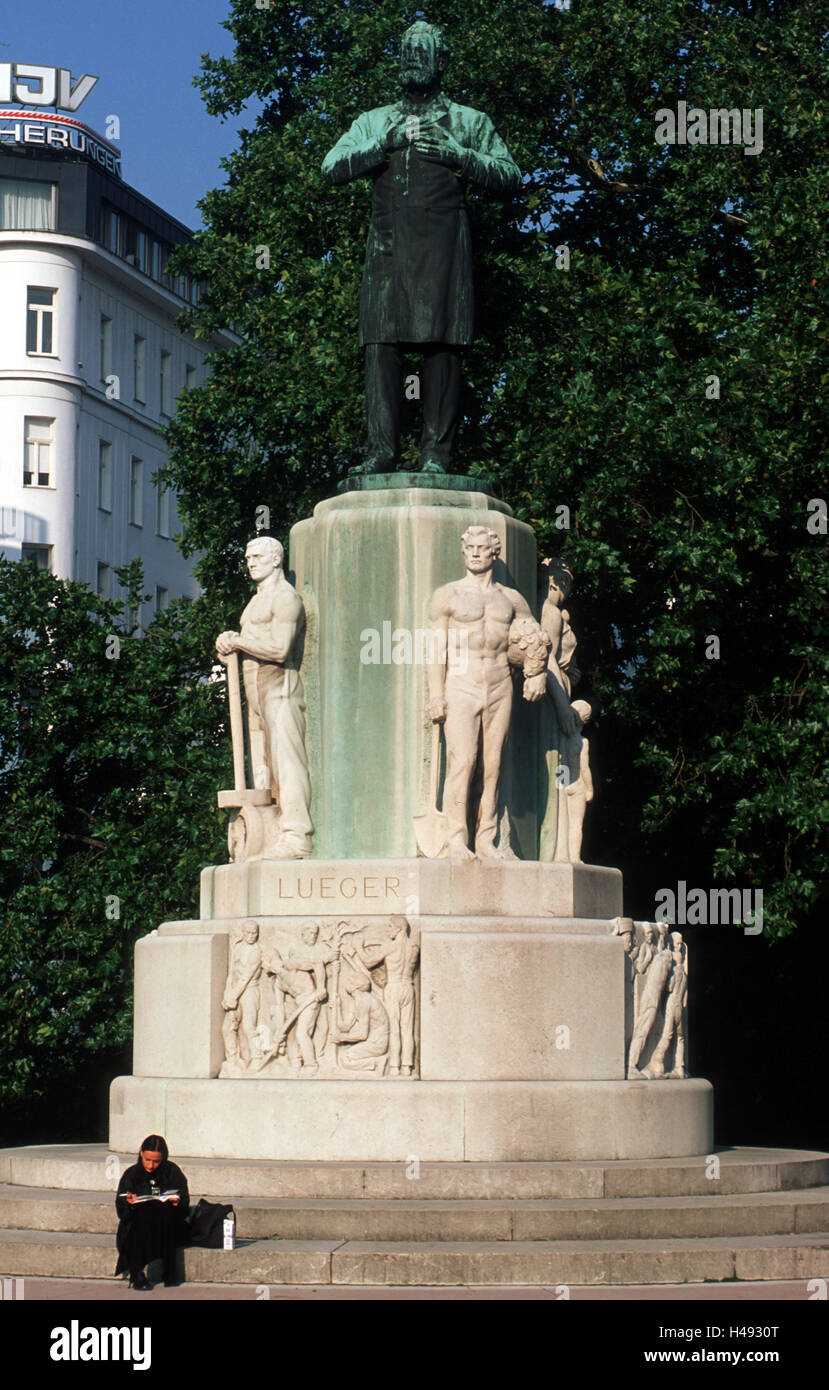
649	357
111	749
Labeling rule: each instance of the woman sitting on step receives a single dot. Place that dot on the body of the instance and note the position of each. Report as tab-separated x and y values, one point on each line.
152	1202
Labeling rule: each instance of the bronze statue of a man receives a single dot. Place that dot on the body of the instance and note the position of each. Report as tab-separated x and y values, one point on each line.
417	282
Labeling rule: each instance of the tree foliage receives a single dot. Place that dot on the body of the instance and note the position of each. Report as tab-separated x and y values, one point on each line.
590	387
111	749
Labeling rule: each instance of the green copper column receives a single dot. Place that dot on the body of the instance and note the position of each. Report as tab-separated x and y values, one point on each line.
366	564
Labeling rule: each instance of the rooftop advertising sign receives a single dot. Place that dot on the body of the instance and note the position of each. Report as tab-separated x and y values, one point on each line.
31	85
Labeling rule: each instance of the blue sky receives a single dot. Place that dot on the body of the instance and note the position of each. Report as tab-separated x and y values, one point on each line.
146	55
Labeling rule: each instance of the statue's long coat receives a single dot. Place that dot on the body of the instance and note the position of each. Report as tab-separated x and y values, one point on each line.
417	280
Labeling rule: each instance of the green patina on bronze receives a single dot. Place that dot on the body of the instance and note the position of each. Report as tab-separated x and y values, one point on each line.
417	289
368	562
445	482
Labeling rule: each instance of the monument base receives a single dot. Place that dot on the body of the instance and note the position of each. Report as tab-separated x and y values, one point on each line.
452	1121
521	1009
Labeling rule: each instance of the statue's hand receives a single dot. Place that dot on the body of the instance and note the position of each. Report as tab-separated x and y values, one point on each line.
436	711
535	686
397	136
226	643
438	145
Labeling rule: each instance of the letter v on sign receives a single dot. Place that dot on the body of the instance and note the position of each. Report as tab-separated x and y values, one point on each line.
69	97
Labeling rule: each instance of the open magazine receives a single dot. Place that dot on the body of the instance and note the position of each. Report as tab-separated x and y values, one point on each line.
159	1196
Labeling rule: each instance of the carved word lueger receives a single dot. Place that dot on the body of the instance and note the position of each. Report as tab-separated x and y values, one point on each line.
331	887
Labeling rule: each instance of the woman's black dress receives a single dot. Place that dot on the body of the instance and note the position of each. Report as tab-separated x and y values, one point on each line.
150	1230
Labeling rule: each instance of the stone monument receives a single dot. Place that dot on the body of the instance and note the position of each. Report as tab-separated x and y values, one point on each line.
436	972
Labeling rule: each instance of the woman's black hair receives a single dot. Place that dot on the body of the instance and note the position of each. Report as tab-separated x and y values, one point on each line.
154	1144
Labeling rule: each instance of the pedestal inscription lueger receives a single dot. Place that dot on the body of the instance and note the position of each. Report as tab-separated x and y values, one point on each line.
322	1000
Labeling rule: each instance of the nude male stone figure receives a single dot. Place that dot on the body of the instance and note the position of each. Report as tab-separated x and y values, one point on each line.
474	701
301	978
241	997
400	950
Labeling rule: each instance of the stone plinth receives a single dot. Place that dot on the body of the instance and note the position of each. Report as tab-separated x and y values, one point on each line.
460	1121
521	1019
415	887
366	565
179	982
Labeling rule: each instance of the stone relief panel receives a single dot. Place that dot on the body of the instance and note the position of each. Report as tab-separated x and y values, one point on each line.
328	999
656	1002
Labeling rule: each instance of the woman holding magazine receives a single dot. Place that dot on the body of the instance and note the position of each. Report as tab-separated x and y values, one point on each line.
152	1202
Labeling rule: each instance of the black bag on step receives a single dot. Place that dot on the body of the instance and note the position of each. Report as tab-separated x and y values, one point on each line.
205	1225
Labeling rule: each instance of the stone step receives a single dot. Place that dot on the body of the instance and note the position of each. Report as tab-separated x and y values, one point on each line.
446	1263
90	1167
766	1213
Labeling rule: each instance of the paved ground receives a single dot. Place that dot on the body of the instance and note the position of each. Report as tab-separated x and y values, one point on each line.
113	1290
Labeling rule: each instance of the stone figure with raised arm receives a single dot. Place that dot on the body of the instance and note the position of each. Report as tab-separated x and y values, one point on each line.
269	642
474	701
420	153
241	998
301	979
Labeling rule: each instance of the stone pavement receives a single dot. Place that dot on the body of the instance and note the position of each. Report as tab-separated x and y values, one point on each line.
115	1290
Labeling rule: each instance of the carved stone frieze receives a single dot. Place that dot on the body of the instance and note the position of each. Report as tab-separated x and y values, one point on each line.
328	1000
656	981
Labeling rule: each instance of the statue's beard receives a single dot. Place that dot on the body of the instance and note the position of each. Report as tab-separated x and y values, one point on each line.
417	76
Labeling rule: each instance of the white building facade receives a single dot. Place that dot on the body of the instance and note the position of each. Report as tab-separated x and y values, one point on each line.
91	362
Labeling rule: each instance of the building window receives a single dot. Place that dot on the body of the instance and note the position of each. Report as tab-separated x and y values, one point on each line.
142	250
104	580
190	378
139	389
40	316
105	347
26	206
38	555
162	598
112	231
104	475
156	260
136	492
166	383
162	511
37	456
